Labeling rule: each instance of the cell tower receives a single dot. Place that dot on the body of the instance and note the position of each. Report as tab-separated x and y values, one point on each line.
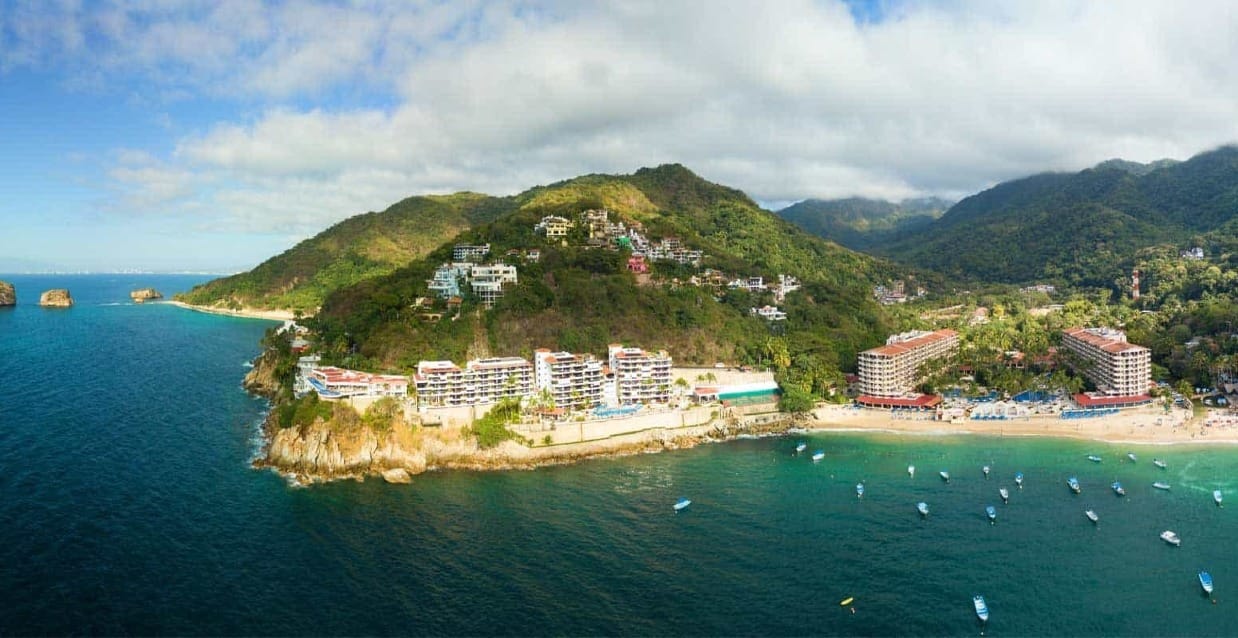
1135	284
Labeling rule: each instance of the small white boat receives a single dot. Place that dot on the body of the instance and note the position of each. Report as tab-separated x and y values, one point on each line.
982	610
682	503
859	490
1018	479
1074	485
1118	489
1171	538
1161	485
1159	463
911	471
985	469
1004	493
1216	497
945	476
1093	458
818	455
922	508
800	447
1131	456
1091	516
1205	581
992	513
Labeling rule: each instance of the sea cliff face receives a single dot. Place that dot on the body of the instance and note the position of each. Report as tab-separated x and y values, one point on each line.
145	294
56	298
8	295
326	451
262	379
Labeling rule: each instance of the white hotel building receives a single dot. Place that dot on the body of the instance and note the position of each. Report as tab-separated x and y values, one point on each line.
482	381
891	372
640	377
574	381
1117	367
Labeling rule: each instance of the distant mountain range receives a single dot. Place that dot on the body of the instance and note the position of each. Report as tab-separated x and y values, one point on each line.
861	224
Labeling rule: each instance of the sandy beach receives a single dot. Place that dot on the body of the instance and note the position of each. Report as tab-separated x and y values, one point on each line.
248	313
1150	425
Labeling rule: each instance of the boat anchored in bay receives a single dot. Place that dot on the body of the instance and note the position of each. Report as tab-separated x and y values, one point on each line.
1091	516
1171	538
992	513
982	610
1117	488
1005	494
922	508
681	504
1018	479
945	476
1205	581
1074	485
1216	497
1161	485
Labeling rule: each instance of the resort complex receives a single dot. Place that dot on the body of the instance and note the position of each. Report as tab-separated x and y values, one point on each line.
1121	371
889	374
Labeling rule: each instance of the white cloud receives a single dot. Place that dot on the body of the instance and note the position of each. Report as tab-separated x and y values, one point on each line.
357	105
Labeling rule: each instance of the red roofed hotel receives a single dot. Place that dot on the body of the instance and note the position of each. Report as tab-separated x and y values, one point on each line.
1122	371
334	383
888	374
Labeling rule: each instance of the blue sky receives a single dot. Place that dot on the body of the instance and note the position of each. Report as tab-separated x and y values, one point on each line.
212	135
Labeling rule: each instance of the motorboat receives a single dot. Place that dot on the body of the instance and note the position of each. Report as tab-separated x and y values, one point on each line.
1018	479
1118	489
922	508
1159	463
800	447
1004	493
818	455
1091	516
1093	458
1216	497
911	471
1205	581
982	610
1131	456
859	490
682	503
1161	485
992	512
1074	485
945	476
985	469
1171	538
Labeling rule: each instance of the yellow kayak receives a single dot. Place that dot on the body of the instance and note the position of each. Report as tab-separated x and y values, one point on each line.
846	601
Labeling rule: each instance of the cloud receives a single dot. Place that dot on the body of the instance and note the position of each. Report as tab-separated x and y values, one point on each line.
349	107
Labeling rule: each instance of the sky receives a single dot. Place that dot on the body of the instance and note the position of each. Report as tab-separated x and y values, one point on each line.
208	136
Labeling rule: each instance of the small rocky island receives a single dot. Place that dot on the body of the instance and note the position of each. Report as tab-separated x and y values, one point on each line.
145	294
56	298
8	296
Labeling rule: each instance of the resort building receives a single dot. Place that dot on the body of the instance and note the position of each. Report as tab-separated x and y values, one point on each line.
331	382
466	252
573	381
889	374
1122	371
482	381
640	377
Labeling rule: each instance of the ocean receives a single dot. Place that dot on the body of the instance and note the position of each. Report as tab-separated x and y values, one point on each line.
129	508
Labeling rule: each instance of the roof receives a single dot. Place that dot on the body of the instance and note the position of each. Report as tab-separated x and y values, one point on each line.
1108	344
895	349
919	401
1089	401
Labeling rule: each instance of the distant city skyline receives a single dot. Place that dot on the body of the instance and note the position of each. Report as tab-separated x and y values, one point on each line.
210	136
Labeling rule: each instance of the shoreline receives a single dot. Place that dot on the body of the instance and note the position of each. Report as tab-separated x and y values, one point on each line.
243	313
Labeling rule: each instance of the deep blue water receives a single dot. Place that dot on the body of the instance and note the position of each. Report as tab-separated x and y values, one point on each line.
129	507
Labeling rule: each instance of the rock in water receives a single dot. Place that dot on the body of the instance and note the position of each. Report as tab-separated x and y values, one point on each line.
56	298
8	296
397	475
143	294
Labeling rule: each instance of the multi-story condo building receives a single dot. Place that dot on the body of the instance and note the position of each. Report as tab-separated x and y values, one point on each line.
487	282
470	253
481	381
893	370
553	226
640	377
446	281
1118	368
336	383
573	381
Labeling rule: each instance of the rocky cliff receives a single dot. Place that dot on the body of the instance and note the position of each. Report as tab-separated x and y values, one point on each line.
8	295
263	378
56	298
145	294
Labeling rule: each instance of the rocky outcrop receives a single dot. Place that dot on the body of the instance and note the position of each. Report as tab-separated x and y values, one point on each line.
56	298
263	378
8	295
398	475
145	294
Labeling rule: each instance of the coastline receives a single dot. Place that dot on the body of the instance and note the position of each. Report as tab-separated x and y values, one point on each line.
244	313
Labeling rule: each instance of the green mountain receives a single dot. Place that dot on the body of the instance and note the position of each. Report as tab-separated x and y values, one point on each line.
358	248
1081	228
580	298
859	223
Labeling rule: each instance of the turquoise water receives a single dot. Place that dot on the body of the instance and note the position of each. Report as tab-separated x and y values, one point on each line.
129	508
